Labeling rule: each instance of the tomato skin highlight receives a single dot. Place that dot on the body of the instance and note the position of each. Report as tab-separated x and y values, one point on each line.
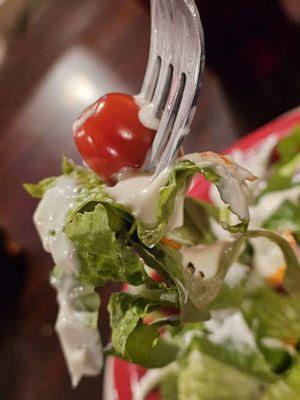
110	136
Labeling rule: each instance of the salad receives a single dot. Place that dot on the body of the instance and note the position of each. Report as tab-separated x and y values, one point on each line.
212	300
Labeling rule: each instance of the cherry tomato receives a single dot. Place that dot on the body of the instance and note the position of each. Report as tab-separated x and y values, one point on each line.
109	135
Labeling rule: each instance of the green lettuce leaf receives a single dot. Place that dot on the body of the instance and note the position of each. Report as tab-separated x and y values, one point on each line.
38	190
83	176
102	256
292	275
227	177
204	378
196	292
228	297
287	216
283	170
223	173
196	227
168	387
130	334
287	388
192	302
273	317
272	314
288	147
245	359
90	192
232	351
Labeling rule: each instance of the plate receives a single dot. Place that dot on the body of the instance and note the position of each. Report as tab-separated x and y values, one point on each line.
121	378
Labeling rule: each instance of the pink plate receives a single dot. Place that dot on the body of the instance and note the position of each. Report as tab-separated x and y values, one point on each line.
122	377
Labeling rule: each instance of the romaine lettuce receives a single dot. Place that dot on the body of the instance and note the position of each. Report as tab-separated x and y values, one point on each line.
135	340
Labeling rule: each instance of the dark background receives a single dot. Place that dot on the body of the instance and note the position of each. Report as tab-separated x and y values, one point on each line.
62	55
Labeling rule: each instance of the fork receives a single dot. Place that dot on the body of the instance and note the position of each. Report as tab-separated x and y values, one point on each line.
172	79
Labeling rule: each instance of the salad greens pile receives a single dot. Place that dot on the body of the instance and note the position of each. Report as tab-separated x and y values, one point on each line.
176	314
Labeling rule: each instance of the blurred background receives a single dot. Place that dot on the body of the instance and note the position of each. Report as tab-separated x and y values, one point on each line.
58	56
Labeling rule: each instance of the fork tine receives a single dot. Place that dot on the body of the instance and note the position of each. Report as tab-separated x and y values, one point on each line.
180	130
172	89
166	122
187	107
164	25
154	59
188	63
162	88
151	78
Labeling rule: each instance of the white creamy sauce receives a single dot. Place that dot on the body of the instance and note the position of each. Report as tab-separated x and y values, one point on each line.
256	159
267	258
81	344
79	340
234	194
177	217
204	258
146	113
49	219
231	327
272	343
267	255
140	194
219	232
269	203
231	183
236	274
215	197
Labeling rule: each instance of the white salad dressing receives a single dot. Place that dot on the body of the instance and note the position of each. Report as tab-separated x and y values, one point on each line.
269	203
80	342
78	334
203	258
273	343
257	158
231	327
146	113
140	194
231	182
236	274
267	258
50	217
176	219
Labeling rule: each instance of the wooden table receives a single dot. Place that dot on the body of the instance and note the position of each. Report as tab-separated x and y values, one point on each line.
72	52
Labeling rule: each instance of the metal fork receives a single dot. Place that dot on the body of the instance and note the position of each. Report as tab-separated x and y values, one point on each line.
172	79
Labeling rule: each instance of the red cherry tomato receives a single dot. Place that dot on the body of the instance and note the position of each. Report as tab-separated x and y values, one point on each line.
109	135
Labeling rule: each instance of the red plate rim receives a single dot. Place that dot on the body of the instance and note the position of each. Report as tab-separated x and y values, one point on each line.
127	375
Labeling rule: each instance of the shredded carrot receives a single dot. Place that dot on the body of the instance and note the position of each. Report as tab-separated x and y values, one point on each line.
152	316
290	341
288	235
227	160
171	243
277	278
